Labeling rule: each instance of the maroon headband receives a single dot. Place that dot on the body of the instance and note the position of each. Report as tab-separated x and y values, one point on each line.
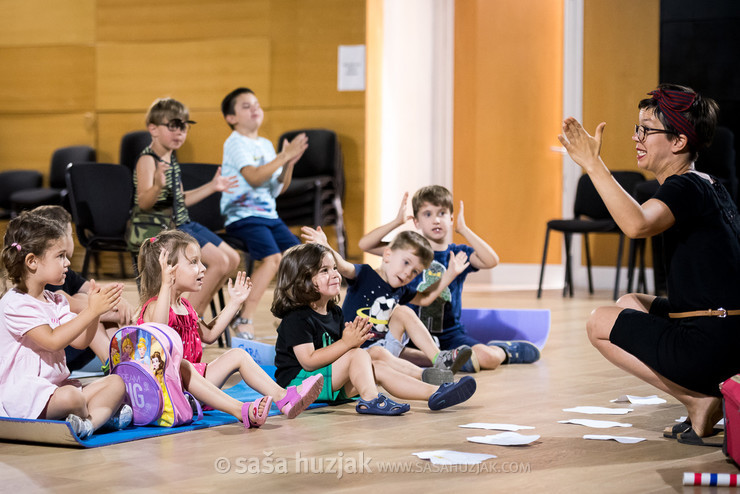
672	104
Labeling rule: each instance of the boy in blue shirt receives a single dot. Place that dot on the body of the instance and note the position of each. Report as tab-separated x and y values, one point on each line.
381	294
432	207
249	208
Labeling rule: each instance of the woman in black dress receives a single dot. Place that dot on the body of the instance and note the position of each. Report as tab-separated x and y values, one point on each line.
685	344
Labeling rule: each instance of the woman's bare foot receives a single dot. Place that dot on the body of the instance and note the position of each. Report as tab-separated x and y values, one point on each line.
704	413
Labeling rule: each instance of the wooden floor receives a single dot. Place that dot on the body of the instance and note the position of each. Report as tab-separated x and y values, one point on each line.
570	373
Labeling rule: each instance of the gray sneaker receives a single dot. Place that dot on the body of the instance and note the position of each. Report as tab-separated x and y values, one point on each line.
453	359
81	427
435	376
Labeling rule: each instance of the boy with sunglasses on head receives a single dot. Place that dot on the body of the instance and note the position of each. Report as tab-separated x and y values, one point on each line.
159	188
250	210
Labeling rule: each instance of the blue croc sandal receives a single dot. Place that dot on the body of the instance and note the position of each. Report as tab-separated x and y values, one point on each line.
450	394
382	405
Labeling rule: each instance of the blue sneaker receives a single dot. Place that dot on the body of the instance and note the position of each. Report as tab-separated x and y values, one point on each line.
518	351
450	394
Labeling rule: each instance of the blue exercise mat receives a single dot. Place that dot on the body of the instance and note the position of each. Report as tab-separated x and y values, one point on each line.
485	325
60	433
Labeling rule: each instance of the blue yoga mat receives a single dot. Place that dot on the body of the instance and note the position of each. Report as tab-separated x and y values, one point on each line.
508	324
59	432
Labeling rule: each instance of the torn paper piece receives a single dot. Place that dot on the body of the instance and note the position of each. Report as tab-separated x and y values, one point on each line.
447	457
496	427
639	400
596	424
505	439
599	410
619	439
718	425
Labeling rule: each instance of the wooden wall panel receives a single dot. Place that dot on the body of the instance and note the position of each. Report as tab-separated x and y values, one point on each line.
305	49
621	63
184	20
47	79
47	22
28	141
204	143
508	93
198	73
112	58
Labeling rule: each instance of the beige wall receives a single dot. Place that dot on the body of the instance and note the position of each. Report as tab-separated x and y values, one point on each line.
508	106
85	71
508	110
620	65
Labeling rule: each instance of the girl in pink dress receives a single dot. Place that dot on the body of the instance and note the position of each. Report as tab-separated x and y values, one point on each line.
170	265
36	325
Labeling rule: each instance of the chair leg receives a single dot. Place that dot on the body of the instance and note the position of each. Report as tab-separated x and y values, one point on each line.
341	231
641	278
86	263
135	264
631	260
123	266
568	286
588	264
544	258
619	265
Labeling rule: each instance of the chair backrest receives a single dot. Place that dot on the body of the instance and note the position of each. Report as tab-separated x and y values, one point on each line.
100	196
64	156
323	156
719	159
588	202
132	144
15	180
208	211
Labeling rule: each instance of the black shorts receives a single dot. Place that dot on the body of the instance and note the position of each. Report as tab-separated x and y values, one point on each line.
698	353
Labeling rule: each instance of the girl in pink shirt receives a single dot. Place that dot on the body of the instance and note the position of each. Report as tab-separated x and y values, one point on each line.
36	325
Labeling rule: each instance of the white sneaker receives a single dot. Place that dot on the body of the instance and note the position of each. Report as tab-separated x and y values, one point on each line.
81	427
121	419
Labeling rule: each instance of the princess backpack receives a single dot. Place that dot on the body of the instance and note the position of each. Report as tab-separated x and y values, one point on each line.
148	357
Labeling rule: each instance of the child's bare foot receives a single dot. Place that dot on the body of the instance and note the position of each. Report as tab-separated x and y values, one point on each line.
255	414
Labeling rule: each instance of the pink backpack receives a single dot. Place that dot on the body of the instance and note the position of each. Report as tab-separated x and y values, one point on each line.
148	357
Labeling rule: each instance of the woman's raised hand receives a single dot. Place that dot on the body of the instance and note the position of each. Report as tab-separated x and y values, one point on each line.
583	148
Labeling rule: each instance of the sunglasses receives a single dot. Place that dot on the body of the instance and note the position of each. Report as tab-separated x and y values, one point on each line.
177	124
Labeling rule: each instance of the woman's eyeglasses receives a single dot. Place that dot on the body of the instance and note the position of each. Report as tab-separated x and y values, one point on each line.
642	132
177	124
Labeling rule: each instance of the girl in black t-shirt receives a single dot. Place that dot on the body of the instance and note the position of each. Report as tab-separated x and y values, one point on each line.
313	339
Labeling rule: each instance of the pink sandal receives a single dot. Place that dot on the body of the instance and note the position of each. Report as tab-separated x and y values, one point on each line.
294	402
259	418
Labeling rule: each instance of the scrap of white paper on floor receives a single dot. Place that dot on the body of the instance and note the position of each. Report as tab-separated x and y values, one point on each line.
505	439
619	439
596	424
496	427
599	410
719	425
639	400
448	457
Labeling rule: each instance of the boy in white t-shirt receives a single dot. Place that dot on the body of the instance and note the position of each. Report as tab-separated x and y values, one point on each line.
249	208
